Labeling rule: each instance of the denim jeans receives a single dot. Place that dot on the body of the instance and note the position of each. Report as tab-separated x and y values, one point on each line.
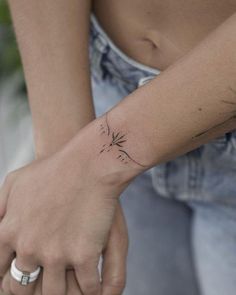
181	214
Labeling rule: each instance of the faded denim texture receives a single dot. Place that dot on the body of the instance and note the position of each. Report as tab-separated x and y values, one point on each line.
181	214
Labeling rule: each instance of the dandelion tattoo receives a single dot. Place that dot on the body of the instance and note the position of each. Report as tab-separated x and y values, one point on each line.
116	141
231	112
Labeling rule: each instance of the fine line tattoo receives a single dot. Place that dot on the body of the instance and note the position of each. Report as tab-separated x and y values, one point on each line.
232	117
116	141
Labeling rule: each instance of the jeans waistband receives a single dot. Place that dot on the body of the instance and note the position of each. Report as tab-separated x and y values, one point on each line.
108	61
105	39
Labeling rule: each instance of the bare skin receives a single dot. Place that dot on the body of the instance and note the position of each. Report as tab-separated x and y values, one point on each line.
60	107
157	33
93	179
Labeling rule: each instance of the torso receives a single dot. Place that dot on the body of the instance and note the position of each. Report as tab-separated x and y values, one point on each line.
156	32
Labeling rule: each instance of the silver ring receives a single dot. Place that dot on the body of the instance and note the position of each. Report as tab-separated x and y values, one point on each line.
23	277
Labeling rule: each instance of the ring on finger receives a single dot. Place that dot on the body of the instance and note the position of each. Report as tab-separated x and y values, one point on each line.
23	277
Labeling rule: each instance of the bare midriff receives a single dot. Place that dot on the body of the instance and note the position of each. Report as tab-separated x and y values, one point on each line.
158	32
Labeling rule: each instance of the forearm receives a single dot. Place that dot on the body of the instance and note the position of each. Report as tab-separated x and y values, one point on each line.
186	106
53	42
170	115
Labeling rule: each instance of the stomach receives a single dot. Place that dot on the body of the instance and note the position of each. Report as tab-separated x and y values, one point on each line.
156	32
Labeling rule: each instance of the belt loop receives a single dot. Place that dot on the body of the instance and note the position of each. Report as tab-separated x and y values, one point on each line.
101	43
100	46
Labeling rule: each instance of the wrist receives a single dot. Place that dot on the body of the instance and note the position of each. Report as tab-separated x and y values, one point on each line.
49	143
101	148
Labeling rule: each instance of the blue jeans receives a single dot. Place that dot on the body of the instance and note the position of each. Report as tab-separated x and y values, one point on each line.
181	214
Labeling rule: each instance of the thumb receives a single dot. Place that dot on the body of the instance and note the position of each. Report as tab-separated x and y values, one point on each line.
114	257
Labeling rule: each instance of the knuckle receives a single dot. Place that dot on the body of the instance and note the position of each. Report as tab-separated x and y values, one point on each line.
25	248
52	258
80	263
85	260
83	265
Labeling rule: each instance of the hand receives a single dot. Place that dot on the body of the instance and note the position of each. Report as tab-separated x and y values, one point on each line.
58	213
114	264
114	257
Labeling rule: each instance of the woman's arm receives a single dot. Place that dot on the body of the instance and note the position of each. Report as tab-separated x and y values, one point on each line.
53	41
157	122
187	105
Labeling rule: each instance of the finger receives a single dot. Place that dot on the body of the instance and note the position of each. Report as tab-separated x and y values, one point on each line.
23	264
88	279
114	257
38	287
6	283
72	284
54	280
6	257
4	192
7	253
